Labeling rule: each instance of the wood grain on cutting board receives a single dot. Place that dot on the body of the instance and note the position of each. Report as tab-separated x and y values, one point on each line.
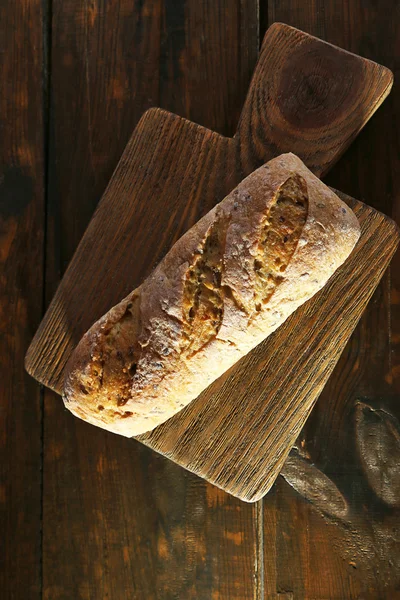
238	433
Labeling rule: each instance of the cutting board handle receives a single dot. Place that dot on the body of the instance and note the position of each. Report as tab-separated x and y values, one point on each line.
307	97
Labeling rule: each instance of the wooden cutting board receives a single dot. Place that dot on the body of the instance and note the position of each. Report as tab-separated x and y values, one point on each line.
307	97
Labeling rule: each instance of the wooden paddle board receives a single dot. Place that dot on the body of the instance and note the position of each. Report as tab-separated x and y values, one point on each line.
306	97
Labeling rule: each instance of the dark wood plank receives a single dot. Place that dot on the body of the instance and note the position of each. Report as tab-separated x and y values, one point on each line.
21	278
392	172
119	520
207	57
353	553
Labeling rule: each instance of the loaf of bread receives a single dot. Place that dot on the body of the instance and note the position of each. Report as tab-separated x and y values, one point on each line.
227	284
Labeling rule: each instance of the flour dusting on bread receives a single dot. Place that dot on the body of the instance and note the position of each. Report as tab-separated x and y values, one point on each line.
227	284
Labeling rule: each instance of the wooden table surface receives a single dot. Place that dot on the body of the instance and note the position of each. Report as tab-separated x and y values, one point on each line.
85	514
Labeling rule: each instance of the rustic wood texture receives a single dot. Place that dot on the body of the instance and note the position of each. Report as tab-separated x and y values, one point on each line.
21	284
171	173
119	521
334	518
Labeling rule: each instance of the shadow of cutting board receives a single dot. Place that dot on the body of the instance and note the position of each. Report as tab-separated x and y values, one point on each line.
307	97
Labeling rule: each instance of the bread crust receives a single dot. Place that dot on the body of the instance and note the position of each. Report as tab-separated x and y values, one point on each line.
148	357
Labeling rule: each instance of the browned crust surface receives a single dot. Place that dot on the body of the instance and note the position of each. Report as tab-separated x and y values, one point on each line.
228	283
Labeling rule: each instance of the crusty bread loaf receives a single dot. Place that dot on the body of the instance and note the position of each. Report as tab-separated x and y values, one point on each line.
227	284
